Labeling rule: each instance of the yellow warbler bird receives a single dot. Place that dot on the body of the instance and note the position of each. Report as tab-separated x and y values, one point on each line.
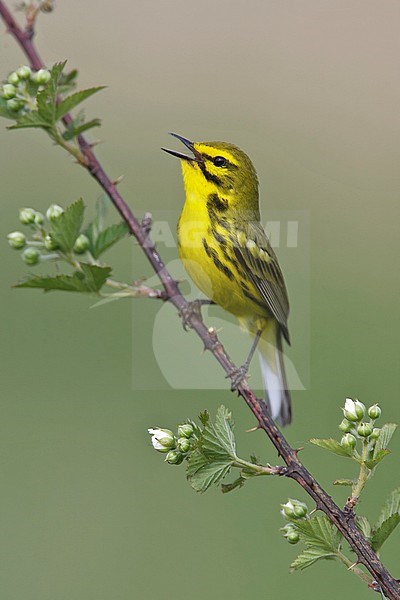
227	254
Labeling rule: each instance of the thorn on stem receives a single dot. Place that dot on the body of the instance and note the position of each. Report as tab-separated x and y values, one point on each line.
118	180
255	428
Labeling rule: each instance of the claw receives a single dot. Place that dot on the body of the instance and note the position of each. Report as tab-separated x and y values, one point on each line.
237	376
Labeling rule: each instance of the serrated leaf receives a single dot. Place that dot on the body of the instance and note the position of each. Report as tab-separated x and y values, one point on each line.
66	229
90	279
70	102
308	557
204	417
384	438
391	507
209	474
106	238
331	445
364	526
348	482
218	441
30	119
319	532
384	530
73	131
380	455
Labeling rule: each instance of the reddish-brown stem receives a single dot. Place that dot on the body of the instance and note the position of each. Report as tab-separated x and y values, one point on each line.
342	519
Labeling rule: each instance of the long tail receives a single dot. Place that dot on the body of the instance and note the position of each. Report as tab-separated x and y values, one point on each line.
273	374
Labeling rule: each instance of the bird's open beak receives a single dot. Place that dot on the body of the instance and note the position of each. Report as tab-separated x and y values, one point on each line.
196	154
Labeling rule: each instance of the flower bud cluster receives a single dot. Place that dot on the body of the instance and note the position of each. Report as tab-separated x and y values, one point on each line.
21	89
176	447
41	246
355	427
293	511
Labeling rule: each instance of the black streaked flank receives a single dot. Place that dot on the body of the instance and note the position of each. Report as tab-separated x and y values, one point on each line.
211	253
216	203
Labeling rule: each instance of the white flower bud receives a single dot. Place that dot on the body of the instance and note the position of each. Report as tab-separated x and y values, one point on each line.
294	509
16	239
41	77
50	244
8	91
293	537
163	440
374	411
24	72
185	430
13	78
39	218
174	457
348	441
183	444
364	429
375	433
31	256
27	216
345	426
81	244
54	212
353	410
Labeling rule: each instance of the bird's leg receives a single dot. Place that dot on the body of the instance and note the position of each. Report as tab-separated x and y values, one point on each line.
193	308
239	374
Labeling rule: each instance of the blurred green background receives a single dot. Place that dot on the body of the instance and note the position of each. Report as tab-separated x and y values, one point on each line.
310	89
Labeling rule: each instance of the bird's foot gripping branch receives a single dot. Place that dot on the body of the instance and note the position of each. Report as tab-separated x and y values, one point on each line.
34	96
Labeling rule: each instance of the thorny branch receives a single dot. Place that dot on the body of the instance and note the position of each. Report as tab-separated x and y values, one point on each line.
344	520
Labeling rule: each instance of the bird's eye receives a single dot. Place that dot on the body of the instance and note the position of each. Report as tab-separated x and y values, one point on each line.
219	161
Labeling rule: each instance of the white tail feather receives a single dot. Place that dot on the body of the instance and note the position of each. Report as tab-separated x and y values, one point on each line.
274	379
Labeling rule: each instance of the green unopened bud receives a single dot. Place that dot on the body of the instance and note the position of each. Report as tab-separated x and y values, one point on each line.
8	91
41	77
294	509
183	444
345	426
364	429
31	256
54	212
39	218
375	433
27	215
353	410
374	411
174	457
13	78
16	239
348	441
81	244
185	430
162	439
14	104
50	244
293	537
24	72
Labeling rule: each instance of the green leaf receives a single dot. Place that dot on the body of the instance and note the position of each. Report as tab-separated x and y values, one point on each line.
391	507
6	112
67	81
66	229
380	455
308	557
384	438
384	530
364	526
209	474
332	445
107	238
90	279
73	131
388	520
319	532
70	102
30	119
348	482
218	441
